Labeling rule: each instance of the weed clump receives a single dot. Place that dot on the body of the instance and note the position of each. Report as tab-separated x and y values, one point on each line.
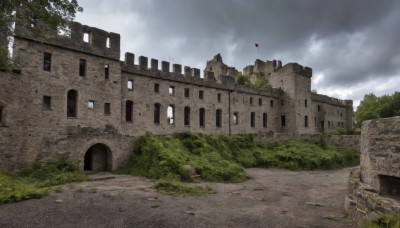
34	182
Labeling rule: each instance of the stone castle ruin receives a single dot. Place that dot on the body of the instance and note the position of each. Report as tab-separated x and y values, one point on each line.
72	96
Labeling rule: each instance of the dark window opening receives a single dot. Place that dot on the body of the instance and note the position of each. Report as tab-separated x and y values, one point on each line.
202	117
219	97
157	112
271	103
186	92
305	103
236	118
389	186
306	121
156	88
259	102
341	114
319	108
251	101
265	119
283	121
47	61
1	113
106	71
128	111
218	118
107	108
171	114
253	119
282	102
82	67
187	116
201	94
46	102
322	125
72	102
329	124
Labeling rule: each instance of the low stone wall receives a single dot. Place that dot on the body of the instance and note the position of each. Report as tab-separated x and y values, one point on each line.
374	189
363	202
340	141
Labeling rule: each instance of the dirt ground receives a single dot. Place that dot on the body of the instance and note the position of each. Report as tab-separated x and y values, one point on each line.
271	198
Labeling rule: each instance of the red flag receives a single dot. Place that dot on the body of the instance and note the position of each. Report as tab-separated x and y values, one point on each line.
256	44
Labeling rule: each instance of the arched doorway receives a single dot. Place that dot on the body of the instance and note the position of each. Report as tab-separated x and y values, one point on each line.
98	158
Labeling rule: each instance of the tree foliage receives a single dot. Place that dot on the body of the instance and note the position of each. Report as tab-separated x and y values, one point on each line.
373	107
51	13
242	80
261	81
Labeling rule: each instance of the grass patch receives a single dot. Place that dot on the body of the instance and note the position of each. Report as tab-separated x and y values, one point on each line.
34	182
223	158
176	187
385	221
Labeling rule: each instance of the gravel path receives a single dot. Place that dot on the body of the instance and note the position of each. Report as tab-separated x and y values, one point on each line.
271	198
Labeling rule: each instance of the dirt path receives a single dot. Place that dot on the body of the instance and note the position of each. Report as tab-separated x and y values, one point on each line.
272	198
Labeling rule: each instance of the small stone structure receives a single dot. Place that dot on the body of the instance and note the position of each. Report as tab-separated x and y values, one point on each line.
375	187
72	96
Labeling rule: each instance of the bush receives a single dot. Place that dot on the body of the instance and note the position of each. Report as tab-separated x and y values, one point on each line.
175	187
385	221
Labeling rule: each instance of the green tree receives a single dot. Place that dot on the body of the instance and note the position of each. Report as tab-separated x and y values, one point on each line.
51	13
261	81
242	80
373	107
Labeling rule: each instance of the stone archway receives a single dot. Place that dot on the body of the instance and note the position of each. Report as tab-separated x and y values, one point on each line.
98	158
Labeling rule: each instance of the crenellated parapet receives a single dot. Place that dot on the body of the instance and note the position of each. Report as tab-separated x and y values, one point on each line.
293	68
330	100
78	37
187	75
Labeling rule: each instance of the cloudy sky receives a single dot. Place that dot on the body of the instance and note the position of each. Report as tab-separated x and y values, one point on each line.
353	46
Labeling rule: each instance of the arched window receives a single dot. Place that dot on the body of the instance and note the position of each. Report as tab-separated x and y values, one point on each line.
187	116
128	111
218	118
202	117
171	114
157	112
72	103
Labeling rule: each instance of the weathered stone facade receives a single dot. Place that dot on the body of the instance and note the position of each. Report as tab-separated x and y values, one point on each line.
375	188
72	96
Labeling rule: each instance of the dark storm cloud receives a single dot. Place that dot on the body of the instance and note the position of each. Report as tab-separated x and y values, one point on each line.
347	42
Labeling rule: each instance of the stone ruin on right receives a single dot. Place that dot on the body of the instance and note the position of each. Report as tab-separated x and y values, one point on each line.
374	188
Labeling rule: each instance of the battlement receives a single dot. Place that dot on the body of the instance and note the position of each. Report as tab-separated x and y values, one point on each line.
78	37
188	75
330	100
295	68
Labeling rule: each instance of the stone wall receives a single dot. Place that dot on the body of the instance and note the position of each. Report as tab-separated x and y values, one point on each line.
375	189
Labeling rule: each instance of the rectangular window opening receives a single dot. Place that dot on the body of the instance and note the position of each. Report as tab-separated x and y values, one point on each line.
1	114
265	120
47	61
201	94
86	37
306	121
107	108
82	67
106	71
319	108
271	103
108	42
202	117
171	90
219	97
218	118
130	85
186	92
305	103
251	101
259	102
235	118
46	102
253	119
283	121
90	104
156	88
